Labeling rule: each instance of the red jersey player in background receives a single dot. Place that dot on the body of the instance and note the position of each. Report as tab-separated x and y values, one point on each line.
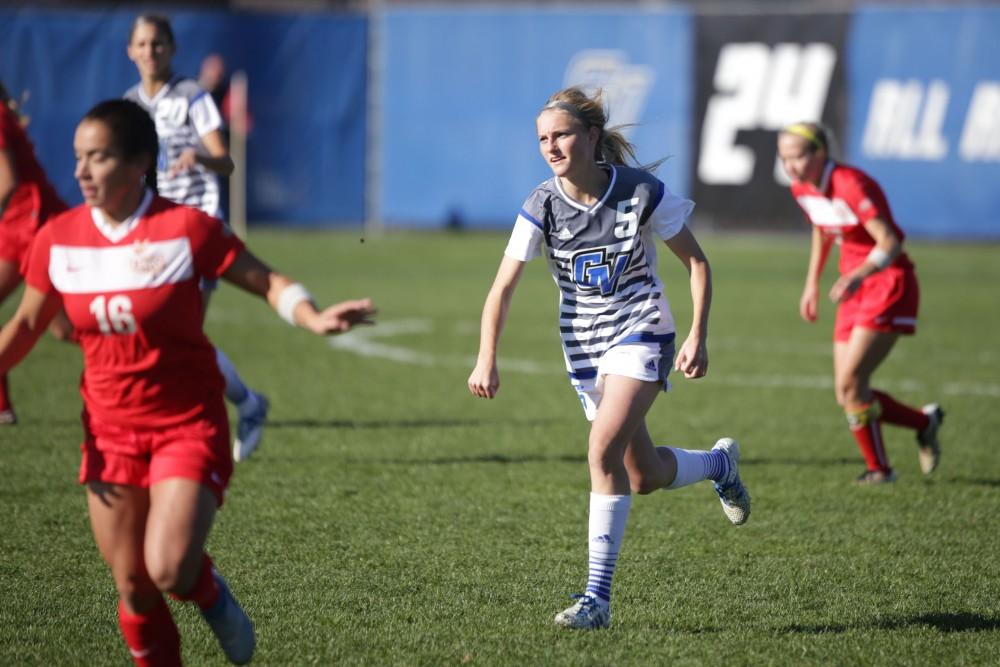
126	267
27	200
877	293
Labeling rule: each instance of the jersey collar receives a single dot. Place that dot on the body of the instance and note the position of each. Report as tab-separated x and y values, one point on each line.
116	233
590	209
151	101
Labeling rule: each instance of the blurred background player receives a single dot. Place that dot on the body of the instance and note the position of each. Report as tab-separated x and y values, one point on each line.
126	266
193	154
27	200
595	223
877	293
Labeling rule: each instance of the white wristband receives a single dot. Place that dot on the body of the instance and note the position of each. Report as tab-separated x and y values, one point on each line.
878	257
289	298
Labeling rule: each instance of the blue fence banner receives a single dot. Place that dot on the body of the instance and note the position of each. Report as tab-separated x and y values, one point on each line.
924	115
307	82
462	88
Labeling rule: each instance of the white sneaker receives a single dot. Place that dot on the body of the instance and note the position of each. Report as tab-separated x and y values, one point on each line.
733	495
930	448
231	625
250	429
7	417
588	613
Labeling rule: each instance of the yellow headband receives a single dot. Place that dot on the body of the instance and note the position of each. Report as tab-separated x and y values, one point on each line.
805	132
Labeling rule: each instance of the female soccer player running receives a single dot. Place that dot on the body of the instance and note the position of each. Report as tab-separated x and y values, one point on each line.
595	221
126	266
877	293
27	200
193	154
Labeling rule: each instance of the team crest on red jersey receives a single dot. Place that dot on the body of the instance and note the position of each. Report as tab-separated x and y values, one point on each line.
146	260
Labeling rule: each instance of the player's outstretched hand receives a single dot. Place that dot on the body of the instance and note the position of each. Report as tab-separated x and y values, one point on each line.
341	317
485	380
185	162
692	360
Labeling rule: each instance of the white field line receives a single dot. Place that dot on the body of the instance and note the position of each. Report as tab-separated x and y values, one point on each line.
365	342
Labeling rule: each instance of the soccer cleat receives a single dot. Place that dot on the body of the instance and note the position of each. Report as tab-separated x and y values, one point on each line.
231	625
588	613
930	448
250	429
733	495
7	417
875	477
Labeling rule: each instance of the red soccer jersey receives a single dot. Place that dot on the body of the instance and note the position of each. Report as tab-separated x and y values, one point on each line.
136	305
846	199
34	199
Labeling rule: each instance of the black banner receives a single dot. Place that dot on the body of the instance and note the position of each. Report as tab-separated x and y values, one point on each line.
754	74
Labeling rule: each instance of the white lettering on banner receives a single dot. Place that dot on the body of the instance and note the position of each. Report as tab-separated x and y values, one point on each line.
905	122
141	265
760	87
981	133
625	86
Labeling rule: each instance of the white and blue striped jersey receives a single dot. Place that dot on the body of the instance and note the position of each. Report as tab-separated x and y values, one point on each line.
183	113
603	259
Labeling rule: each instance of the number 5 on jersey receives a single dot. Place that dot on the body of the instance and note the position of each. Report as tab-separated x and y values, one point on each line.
113	315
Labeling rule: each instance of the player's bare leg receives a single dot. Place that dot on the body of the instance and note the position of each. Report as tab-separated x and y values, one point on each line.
180	517
854	363
118	520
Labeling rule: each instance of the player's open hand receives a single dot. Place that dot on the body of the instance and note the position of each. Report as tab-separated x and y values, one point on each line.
809	303
692	360
485	380
342	317
186	161
844	287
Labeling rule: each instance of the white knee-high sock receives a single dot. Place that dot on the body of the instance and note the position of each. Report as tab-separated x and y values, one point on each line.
695	465
608	516
236	391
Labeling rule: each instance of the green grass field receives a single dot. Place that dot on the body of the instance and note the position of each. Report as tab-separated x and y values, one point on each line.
390	518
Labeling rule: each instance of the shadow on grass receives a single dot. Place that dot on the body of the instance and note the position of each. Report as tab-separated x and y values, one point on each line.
943	622
490	458
812	461
977	481
400	423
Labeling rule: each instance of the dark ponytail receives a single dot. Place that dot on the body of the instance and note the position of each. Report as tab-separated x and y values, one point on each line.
132	131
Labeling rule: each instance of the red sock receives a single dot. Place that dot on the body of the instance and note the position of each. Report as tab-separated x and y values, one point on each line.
4	393
894	412
205	591
867	430
151	637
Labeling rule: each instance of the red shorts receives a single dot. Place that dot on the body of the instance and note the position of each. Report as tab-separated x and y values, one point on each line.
886	301
197	450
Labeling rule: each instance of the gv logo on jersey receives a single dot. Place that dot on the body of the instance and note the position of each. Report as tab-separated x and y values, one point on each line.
593	270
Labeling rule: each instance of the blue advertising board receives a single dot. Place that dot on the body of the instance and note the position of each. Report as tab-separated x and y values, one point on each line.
307	85
924	115
462	88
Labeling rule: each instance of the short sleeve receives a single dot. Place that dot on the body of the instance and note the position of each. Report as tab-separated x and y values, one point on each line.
670	214
526	238
865	197
213	245
204	114
36	269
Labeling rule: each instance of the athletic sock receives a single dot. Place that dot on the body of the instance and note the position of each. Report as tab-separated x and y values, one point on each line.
867	430
205	592
152	636
608	516
900	414
236	391
695	465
